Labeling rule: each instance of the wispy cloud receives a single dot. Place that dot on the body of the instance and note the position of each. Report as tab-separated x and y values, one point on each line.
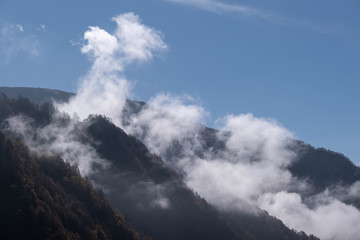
20	27
244	10
56	138
42	27
219	7
14	40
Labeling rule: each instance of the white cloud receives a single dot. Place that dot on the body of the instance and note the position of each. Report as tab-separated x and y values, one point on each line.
98	94
102	46
232	185
104	90
167	118
251	136
132	41
100	42
56	138
331	220
253	163
137	41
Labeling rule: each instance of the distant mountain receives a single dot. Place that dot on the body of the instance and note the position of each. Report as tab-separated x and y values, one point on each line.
36	95
142	186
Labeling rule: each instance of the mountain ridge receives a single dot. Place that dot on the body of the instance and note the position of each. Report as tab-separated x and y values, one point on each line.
145	177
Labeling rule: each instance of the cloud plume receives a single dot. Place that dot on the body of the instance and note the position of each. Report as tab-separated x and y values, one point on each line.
104	89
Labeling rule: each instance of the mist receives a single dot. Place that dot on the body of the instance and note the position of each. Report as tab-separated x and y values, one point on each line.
56	138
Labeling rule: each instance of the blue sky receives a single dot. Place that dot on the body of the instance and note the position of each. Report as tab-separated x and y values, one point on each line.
293	61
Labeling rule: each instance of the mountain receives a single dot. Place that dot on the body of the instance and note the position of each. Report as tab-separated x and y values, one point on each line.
324	168
36	95
137	182
186	209
46	198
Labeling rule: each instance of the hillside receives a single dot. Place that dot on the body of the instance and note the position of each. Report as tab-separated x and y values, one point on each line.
324	168
45	198
139	183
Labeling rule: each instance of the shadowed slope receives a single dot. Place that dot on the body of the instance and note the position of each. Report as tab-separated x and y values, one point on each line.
45	198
